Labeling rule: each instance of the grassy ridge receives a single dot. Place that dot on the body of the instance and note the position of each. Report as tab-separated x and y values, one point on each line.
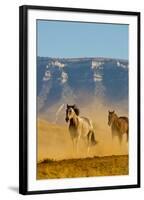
84	167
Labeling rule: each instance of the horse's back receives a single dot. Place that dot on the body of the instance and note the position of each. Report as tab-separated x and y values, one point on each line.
86	120
123	118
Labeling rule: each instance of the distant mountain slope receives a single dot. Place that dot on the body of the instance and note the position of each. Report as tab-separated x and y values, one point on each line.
80	80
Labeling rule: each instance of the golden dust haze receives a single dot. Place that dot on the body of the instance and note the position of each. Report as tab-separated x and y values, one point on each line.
54	142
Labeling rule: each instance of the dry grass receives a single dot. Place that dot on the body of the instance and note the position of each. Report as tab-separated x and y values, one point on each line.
84	167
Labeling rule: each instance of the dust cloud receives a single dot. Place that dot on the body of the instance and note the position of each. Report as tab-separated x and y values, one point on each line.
54	142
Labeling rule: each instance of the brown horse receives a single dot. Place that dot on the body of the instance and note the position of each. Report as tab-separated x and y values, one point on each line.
79	128
119	125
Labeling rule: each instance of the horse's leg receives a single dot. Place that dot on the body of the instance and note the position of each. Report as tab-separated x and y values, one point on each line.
88	148
77	141
127	135
76	145
88	142
120	137
113	133
73	146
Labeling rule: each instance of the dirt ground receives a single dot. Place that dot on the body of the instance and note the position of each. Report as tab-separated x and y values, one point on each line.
54	142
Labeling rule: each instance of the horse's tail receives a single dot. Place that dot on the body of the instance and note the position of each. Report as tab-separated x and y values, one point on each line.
91	138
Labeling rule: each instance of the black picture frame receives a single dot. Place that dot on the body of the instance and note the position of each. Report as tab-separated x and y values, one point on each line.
23	97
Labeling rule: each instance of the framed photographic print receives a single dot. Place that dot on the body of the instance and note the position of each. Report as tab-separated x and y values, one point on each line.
79	99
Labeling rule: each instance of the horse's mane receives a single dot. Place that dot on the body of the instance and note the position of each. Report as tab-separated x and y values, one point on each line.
75	108
77	111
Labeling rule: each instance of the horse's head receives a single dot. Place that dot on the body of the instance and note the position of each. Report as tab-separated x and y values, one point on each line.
111	117
71	111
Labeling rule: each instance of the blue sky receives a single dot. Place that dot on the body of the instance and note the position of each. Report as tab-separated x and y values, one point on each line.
74	39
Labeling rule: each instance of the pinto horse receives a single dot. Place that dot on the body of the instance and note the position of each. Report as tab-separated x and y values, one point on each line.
79	128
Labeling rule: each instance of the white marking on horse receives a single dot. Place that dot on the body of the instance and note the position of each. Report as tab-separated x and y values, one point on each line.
79	128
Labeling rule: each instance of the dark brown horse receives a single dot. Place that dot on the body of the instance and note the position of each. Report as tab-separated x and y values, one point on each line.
119	125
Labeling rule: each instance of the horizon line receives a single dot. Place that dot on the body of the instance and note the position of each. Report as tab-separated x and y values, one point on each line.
88	57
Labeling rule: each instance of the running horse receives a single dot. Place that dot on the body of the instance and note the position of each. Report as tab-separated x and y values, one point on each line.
79	128
119	125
